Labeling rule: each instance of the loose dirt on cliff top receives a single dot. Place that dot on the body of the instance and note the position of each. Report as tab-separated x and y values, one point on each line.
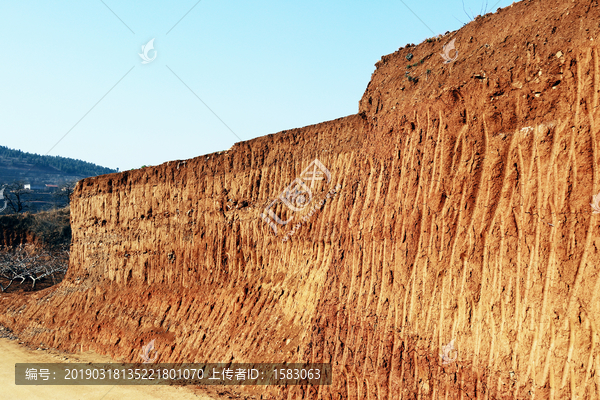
438	244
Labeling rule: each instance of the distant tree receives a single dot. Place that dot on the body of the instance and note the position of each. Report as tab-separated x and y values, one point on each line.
14	196
64	192
66	165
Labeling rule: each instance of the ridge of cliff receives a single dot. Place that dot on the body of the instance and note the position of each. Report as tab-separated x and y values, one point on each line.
440	242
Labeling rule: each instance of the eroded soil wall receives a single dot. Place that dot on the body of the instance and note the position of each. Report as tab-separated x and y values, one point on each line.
461	212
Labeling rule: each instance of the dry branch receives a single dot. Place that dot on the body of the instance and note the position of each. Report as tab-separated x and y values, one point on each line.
26	262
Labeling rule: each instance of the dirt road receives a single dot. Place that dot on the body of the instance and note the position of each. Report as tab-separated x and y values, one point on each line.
13	353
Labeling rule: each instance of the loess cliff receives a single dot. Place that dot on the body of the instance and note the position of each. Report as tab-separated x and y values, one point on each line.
454	208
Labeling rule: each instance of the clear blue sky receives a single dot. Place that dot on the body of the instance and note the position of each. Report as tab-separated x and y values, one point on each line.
261	66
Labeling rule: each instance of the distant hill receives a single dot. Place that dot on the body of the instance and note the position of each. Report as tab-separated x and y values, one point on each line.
38	170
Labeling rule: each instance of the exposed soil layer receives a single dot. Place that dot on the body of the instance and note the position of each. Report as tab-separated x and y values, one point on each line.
458	209
48	229
15	230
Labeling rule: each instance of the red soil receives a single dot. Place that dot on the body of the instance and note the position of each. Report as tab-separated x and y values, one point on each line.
463	213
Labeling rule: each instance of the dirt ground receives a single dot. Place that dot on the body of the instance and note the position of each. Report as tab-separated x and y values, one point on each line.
12	352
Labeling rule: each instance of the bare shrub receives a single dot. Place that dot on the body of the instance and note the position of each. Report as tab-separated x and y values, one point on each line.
27	262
